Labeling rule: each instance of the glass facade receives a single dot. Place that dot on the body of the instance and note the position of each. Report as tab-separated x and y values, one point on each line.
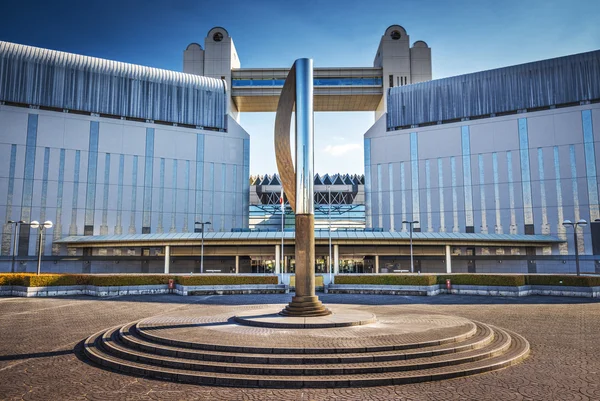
326	81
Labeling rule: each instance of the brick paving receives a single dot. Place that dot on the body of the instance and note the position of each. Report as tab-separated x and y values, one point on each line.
40	357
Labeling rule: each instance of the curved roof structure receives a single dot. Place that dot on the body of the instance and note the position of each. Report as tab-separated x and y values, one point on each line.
540	84
43	77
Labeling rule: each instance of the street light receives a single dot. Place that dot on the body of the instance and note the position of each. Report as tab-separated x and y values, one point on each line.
410	223
40	226
329	218
14	253
202	246
569	223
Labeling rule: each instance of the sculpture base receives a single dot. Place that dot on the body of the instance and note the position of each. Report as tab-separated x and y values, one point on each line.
305	306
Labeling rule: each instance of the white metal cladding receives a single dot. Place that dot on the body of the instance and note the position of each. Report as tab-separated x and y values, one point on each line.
43	77
527	86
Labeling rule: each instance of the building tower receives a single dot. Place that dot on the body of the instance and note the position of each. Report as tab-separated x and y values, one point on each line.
401	64
217	60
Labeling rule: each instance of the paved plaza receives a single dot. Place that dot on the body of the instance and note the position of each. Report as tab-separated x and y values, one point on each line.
41	354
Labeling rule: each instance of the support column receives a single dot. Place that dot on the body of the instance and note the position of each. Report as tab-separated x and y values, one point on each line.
237	264
336	259
167	258
277	259
448	260
376	263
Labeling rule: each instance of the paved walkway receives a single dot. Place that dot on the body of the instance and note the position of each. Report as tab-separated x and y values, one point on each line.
40	358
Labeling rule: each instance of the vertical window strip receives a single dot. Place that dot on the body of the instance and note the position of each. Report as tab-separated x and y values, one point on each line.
234	205
368	216
7	232
199	175
511	194
484	226
428	195
44	193
543	200
119	223
525	171
224	200
455	226
499	229
174	187
73	226
161	197
28	174
441	195
391	182
562	231
590	164
467	183
211	189
379	198
106	189
186	203
90	191
414	171
57	231
134	182
403	193
246	183
576	208
148	179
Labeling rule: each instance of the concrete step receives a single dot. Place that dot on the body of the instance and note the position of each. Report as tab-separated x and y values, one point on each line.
152	335
111	344
131	339
506	349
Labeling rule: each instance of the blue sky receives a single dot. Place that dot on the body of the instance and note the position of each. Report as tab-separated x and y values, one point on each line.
465	36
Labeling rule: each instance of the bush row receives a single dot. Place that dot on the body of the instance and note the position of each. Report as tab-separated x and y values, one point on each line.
387	279
48	280
510	280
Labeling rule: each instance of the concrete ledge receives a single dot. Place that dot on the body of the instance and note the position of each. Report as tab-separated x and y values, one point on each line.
423	290
231	289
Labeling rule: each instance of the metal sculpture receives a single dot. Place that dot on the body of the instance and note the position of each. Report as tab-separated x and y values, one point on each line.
298	183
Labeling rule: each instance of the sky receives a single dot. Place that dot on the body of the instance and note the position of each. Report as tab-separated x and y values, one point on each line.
465	36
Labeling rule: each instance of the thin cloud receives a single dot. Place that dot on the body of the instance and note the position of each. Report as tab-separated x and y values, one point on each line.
339	150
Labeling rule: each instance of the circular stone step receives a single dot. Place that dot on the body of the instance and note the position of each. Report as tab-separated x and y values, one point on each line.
401	346
272	318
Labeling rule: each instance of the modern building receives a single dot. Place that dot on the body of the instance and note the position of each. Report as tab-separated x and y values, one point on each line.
101	147
125	160
339	203
511	151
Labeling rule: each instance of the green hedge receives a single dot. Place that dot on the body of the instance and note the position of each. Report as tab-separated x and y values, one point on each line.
572	281
225	280
387	279
512	280
49	280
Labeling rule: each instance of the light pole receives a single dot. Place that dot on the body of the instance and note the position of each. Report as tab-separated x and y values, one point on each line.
329	218
202	246
282	201
40	226
410	224
14	252
569	223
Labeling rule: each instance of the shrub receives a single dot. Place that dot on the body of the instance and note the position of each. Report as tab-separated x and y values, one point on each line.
110	281
512	280
571	281
14	278
386	279
225	280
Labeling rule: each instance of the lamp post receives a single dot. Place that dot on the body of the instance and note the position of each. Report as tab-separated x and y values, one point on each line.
569	223
14	252
40	226
202	246
329	218
410	223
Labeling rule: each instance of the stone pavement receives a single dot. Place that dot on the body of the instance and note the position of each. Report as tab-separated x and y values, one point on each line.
40	355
